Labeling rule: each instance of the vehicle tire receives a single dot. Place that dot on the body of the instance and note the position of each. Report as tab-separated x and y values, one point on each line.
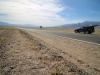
75	31
89	32
78	32
86	32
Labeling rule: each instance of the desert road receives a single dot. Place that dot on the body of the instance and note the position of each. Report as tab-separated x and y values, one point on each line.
89	38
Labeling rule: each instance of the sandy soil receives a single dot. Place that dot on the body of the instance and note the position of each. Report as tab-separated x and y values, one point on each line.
29	53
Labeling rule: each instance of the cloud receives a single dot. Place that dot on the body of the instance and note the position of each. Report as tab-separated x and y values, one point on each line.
38	12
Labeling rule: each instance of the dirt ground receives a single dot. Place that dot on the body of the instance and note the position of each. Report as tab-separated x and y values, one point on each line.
29	53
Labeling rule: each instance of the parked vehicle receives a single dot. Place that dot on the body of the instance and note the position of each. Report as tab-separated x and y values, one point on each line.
86	29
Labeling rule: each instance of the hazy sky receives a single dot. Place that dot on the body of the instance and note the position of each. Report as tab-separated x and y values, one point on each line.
49	12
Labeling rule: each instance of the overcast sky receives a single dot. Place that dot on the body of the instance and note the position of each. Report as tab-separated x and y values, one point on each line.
49	12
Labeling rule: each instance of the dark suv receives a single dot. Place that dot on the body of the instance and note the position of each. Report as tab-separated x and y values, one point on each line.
86	29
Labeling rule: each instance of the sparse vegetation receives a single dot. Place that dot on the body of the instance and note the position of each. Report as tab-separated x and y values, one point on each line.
2	38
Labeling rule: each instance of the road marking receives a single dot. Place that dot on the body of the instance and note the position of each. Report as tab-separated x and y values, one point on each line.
64	37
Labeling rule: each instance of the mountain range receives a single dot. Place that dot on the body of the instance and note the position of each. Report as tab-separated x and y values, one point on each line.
4	24
74	25
77	25
18	25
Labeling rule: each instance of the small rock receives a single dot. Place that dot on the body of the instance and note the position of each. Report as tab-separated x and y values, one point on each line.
88	65
72	70
11	46
11	67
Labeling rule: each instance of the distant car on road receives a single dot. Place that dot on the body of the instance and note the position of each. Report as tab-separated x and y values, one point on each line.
86	29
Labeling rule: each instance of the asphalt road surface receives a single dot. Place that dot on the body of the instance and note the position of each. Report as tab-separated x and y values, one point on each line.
89	38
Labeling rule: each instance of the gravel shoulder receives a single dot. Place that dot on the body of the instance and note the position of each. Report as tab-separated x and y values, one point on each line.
29	53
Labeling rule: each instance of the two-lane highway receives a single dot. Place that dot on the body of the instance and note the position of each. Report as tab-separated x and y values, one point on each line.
89	38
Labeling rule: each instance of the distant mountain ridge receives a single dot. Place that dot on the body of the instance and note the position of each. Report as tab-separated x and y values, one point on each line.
76	25
4	24
19	25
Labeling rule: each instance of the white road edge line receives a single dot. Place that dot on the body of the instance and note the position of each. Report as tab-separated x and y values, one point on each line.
65	37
